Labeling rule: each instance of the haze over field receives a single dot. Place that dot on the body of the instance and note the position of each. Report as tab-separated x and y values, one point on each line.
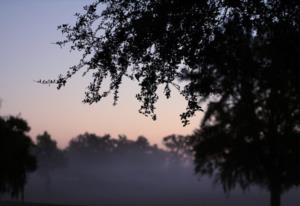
120	182
116	171
152	102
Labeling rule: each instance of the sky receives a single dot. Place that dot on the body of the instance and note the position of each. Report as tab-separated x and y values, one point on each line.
28	29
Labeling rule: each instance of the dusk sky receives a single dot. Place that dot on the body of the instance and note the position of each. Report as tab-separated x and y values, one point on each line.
28	30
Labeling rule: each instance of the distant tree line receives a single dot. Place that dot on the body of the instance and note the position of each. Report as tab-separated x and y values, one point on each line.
19	155
89	149
231	161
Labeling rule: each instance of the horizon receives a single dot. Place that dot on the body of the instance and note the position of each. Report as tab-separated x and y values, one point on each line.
29	29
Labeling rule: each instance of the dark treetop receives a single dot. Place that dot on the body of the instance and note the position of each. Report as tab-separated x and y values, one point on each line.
15	155
209	44
243	56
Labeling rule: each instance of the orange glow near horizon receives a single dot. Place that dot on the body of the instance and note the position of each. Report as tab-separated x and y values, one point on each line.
27	31
64	116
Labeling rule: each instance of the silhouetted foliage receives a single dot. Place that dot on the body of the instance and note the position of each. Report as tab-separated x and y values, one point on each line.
16	159
250	131
252	137
115	156
245	53
87	143
142	142
180	146
48	155
160	42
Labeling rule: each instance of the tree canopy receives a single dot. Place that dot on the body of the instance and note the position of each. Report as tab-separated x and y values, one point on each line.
242	56
180	146
16	158
251	138
158	43
49	156
250	131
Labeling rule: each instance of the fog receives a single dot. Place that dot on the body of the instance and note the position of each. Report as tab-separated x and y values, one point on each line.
130	178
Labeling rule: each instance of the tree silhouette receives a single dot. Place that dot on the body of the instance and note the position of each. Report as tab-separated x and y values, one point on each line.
115	155
179	146
86	144
15	155
160	42
142	143
49	156
250	131
242	53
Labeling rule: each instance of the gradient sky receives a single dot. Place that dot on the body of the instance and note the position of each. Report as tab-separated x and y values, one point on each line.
28	29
